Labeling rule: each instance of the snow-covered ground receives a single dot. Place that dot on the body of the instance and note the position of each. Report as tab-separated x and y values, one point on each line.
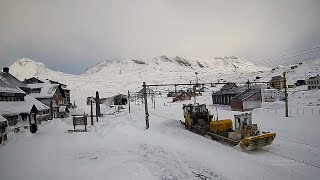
119	147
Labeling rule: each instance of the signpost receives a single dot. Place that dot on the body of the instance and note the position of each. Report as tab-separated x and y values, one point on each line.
79	120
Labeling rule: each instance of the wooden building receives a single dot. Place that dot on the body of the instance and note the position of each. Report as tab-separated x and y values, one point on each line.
182	96
248	100
15	104
277	82
64	88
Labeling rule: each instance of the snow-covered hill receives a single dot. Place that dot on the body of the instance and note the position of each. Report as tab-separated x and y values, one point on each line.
114	76
119	75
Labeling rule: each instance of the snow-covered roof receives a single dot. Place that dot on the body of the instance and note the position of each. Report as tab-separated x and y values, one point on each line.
9	87
2	119
47	90
17	107
245	95
13	81
11	90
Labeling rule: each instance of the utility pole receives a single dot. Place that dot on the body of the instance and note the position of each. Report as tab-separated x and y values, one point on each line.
91	111
146	104
129	100
97	105
285	92
194	88
248	83
154	101
51	110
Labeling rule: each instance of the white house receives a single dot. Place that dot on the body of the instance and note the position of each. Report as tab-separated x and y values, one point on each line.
313	82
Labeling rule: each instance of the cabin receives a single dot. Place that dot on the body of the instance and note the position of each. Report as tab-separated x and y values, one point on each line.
16	104
225	94
300	82
64	88
313	82
120	99
182	96
248	100
49	94
277	82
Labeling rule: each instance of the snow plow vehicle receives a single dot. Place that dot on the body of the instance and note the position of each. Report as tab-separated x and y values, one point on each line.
199	120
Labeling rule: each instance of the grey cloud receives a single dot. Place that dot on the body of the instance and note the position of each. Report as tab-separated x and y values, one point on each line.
71	35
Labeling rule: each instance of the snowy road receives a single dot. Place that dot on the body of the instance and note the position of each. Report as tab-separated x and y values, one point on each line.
118	147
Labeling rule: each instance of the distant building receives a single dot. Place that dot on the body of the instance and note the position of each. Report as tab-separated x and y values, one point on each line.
148	90
313	82
300	82
101	100
120	99
227	92
228	86
35	80
173	94
248	100
49	94
277	82
182	96
272	95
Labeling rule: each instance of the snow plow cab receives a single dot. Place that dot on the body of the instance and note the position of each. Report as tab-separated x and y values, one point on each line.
251	137
197	119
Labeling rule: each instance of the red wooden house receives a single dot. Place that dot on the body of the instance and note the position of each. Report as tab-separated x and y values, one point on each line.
182	96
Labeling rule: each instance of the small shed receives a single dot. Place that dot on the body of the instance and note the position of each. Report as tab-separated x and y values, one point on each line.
120	99
248	100
301	82
182	97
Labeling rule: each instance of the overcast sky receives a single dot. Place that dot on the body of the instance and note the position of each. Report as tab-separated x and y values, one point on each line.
72	35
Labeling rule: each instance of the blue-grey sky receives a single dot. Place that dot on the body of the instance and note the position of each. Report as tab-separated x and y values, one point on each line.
72	35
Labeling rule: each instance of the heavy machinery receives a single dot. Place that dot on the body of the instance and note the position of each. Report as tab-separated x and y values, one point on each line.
199	120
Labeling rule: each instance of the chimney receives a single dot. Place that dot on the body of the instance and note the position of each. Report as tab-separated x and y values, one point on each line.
6	70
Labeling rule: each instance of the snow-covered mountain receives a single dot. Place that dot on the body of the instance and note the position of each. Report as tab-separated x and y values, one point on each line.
176	64
114	76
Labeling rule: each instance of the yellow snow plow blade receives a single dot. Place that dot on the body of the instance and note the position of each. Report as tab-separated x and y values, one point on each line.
257	142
